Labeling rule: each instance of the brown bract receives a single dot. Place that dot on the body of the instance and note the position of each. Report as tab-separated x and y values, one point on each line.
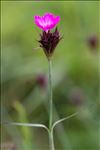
49	41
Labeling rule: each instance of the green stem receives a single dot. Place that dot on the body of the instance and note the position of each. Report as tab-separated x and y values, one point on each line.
51	140
50	95
51	107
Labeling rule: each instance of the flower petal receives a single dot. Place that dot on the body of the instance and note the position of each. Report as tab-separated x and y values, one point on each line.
46	22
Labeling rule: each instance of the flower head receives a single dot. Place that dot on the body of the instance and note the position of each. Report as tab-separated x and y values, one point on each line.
46	22
48	39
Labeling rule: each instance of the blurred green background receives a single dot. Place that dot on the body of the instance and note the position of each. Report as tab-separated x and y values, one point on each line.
24	76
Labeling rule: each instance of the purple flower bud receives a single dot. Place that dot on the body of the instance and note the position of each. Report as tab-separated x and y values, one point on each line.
49	41
93	42
41	81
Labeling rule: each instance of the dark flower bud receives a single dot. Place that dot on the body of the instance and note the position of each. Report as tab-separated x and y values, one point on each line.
49	41
41	80
93	42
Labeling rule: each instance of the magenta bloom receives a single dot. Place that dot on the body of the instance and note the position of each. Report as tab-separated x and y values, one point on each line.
49	39
46	22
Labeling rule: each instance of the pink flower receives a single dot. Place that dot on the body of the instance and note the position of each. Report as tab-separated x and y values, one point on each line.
46	22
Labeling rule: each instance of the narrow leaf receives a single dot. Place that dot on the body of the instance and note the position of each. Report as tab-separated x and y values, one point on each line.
63	119
27	125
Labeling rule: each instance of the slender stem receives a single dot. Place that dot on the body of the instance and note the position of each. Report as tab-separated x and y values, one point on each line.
51	140
50	95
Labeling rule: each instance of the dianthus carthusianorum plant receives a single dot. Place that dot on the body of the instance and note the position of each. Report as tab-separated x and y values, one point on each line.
48	41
